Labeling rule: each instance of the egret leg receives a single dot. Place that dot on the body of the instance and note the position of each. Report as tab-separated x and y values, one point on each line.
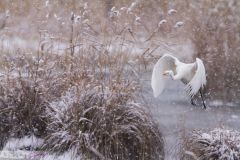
204	105
192	102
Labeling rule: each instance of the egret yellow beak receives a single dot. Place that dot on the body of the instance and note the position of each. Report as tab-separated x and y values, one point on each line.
165	73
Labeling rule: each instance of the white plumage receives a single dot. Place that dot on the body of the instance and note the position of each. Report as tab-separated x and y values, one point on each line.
191	74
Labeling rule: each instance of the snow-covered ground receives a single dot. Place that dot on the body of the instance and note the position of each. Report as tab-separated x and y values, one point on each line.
176	116
23	148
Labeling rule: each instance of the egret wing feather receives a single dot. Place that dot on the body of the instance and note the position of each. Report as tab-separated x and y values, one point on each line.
199	79
158	82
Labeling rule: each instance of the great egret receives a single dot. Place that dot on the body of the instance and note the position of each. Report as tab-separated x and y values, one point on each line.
192	75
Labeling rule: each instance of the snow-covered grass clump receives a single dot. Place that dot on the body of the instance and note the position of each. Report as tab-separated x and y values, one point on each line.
102	124
86	102
218	144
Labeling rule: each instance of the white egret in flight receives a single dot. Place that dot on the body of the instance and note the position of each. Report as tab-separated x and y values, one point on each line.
191	74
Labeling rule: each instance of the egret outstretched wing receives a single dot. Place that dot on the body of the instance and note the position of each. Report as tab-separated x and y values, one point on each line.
166	62
199	79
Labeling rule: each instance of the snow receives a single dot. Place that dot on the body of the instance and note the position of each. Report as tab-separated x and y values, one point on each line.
178	24
137	19
129	10
16	143
216	103
85	6
162	22
220	103
77	19
234	116
206	136
224	143
123	8
14	155
172	11
23	154
114	12
18	148
46	3
71	154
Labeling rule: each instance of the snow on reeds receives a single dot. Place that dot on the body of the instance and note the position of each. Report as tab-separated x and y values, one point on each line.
218	144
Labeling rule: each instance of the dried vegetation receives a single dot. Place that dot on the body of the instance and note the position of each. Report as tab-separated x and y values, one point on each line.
218	144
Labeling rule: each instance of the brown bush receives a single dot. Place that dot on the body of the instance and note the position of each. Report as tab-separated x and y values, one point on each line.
23	98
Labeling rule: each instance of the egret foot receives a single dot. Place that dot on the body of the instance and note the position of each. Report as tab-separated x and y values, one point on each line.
193	103
204	105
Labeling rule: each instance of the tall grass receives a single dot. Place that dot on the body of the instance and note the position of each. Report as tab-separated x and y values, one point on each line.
213	28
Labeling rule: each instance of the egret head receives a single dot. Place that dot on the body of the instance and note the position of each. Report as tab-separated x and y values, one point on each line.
168	73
